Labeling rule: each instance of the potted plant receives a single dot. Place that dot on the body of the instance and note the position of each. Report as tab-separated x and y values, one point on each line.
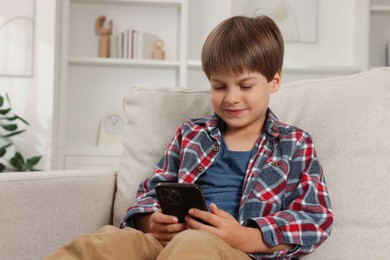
10	126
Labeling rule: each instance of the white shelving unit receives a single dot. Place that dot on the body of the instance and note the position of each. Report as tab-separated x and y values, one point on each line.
379	34
91	87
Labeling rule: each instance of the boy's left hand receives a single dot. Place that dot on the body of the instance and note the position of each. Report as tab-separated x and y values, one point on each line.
222	224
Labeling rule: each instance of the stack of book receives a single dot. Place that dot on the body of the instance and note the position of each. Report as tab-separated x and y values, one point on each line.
133	44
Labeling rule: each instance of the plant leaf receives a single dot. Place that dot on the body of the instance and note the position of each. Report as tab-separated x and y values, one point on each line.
11	118
14	133
10	127
18	161
33	161
3	149
9	102
1	100
19	157
4	111
14	163
2	167
23	120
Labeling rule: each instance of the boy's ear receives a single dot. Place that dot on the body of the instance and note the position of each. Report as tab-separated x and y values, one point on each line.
276	81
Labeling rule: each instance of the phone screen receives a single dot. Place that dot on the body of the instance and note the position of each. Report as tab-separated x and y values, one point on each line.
177	198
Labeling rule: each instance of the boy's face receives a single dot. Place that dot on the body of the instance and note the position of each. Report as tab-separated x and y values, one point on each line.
241	100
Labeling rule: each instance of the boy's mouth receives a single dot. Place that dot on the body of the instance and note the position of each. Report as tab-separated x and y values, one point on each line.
234	112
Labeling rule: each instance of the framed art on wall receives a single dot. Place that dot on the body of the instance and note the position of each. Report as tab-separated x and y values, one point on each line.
16	37
297	19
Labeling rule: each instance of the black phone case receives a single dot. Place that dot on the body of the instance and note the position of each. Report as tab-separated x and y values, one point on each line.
177	198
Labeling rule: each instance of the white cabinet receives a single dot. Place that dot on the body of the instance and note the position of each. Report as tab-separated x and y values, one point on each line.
90	88
379	36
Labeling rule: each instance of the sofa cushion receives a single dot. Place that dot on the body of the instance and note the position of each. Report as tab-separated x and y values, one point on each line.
348	118
153	114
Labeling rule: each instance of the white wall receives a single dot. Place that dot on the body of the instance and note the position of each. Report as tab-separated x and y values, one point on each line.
336	39
338	45
338	49
32	97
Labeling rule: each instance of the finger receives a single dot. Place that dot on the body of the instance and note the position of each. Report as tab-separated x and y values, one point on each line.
161	218
175	228
195	224
203	215
168	228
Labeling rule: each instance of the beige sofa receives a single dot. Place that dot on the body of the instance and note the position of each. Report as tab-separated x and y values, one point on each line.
348	117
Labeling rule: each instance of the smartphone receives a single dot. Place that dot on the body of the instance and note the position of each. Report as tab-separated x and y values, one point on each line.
177	198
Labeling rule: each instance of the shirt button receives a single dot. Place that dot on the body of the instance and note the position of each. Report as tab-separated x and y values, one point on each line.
275	164
200	168
216	148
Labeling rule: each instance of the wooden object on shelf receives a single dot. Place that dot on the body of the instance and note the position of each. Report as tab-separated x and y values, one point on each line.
104	47
158	51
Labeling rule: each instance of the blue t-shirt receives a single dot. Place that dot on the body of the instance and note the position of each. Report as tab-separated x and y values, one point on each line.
222	182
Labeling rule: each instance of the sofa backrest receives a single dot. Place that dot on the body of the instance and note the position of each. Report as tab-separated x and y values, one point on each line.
153	114
348	118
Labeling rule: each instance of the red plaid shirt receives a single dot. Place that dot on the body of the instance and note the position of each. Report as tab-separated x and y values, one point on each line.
284	192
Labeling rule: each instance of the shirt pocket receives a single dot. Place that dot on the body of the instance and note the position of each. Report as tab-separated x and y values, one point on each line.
270	184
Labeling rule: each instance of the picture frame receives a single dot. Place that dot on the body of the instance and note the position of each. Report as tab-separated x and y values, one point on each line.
17	19
297	19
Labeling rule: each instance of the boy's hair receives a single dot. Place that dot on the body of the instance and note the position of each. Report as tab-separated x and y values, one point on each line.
241	44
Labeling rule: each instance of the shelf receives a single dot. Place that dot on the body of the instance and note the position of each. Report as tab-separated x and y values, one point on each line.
380	8
93	150
131	2
322	69
194	64
114	62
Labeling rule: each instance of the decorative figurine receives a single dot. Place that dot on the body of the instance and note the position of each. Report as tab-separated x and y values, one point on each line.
104	48
158	52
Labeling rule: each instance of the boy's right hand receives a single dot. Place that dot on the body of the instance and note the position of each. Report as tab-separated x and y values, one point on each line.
164	227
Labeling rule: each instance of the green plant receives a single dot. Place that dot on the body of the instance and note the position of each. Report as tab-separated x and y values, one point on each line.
10	126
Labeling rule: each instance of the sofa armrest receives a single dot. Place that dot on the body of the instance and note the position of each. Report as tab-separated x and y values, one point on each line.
43	210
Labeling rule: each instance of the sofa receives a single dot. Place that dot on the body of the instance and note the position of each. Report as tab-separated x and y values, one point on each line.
348	118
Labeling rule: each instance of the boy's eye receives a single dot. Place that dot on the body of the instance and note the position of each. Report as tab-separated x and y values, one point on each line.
218	86
246	86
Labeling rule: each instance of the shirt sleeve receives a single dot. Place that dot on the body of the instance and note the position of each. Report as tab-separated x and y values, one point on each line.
165	171
306	217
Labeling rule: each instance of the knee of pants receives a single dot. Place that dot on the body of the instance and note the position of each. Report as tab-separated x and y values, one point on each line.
196	237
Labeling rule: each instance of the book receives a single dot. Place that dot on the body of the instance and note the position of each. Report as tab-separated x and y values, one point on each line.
144	45
134	44
124	44
118	40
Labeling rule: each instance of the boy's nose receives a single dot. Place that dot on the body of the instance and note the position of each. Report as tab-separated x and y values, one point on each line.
232	96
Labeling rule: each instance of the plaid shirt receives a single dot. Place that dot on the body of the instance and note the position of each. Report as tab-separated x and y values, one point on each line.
284	192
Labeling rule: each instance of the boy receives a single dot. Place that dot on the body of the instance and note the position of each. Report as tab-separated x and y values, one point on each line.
261	178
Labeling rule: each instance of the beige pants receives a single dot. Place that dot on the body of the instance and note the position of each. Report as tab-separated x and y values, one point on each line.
110	242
